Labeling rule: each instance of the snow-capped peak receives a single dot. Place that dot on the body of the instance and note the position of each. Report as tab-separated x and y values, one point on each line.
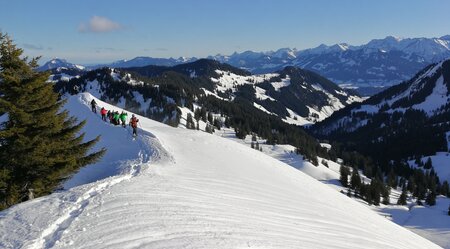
59	63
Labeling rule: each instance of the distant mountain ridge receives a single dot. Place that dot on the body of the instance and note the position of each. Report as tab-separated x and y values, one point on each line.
380	62
59	63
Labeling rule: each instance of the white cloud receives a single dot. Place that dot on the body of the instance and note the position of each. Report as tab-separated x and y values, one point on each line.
99	24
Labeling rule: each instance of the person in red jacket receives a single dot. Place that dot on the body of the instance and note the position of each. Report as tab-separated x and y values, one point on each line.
133	124
103	112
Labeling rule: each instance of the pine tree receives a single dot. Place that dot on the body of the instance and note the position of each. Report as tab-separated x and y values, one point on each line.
402	198
428	164
344	172
374	191
217	123
197	114
385	193
190	122
210	118
445	189
39	145
431	198
355	180
391	179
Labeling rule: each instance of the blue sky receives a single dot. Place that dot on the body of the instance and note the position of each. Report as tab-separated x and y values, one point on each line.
86	31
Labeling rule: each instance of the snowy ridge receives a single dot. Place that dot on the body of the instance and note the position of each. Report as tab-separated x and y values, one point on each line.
228	81
200	191
59	63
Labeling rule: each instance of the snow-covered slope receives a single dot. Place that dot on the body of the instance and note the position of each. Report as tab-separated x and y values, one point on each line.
189	189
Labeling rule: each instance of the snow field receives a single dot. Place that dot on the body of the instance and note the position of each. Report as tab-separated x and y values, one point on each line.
196	190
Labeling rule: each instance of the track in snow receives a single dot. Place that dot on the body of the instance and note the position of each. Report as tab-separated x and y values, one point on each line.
150	150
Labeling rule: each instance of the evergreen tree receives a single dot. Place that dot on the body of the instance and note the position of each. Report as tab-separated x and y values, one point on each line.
431	198
428	164
355	180
392	179
402	198
385	193
210	118
227	122
445	189
197	114
375	191
190	122
344	172
39	145
217	123
203	114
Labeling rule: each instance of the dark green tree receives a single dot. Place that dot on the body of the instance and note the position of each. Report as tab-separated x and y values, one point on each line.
431	198
355	180
375	190
385	193
402	198
445	189
190	122
344	173
210	118
39	144
428	164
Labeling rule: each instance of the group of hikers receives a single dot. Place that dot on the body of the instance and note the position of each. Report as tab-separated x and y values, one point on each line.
115	117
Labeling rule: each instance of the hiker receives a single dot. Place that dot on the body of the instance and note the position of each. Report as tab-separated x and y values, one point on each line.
111	116
116	118
133	124
123	118
94	106
103	112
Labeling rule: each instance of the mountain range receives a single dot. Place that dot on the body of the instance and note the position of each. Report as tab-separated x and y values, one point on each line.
295	95
379	63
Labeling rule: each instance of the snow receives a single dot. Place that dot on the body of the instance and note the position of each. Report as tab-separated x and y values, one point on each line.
436	99
262	108
441	164
115	75
429	222
207	92
415	86
371	109
283	83
298	120
187	189
261	94
139	98
228	80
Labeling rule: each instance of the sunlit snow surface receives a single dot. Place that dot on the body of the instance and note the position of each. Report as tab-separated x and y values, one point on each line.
177	188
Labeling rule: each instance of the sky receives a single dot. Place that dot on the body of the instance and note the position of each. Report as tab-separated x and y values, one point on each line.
89	32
